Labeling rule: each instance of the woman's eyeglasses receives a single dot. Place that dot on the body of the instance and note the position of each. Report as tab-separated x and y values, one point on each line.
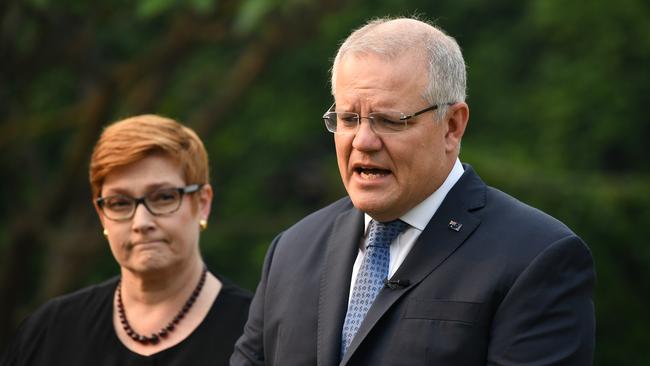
164	201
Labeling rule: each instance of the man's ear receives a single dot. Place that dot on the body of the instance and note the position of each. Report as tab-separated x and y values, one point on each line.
455	122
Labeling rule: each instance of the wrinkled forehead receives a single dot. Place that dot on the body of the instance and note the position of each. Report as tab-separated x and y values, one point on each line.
416	59
411	59
369	71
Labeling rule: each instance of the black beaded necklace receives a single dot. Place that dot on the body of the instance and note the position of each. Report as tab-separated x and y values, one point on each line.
164	332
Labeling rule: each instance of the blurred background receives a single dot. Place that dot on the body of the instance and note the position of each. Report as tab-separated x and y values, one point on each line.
558	93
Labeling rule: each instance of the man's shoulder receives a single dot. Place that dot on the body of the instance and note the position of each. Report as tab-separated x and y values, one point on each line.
318	224
497	208
324	215
508	211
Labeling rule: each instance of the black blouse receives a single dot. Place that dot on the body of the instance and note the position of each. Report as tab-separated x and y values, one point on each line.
77	329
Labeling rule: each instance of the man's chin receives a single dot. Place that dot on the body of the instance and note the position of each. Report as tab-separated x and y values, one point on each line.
376	205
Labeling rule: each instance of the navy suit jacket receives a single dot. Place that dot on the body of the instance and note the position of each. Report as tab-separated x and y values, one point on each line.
510	286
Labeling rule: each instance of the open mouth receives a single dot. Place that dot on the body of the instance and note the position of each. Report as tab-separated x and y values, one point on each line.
372	173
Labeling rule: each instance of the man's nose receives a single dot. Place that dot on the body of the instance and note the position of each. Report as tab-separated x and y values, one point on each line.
366	139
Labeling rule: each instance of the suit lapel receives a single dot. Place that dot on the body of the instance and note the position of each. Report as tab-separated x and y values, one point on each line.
342	249
437	242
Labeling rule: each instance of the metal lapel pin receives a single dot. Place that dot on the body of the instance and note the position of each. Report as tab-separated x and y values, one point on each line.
455	226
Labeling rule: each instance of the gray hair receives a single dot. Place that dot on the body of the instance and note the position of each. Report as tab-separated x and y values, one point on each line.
392	37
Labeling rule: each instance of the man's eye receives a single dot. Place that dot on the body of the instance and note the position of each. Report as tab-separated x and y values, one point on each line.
349	120
387	120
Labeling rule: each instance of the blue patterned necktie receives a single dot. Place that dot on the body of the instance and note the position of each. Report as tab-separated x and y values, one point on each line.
371	275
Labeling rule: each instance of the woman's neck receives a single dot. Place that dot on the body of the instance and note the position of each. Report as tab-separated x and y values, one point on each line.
171	284
150	302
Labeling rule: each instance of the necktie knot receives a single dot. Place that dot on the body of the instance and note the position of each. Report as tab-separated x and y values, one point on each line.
383	233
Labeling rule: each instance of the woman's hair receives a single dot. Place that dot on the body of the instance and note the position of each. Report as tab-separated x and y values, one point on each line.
133	139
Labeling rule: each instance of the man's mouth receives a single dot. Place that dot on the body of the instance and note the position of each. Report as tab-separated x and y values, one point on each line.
371	173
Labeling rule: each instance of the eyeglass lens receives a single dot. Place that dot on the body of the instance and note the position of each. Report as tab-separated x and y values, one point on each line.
381	122
160	202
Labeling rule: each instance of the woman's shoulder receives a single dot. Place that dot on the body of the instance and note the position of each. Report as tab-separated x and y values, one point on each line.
234	292
232	303
82	298
83	303
225	320
63	317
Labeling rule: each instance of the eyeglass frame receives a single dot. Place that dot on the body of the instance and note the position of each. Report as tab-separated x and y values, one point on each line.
403	118
192	188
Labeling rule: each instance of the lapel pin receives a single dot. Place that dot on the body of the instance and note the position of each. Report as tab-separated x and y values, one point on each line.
455	226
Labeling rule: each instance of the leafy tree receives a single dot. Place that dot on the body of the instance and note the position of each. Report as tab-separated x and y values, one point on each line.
557	93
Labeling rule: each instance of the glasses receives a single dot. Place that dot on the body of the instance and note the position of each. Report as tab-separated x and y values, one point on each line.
385	122
159	202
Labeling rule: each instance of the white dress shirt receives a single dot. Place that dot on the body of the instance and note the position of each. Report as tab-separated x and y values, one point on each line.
417	219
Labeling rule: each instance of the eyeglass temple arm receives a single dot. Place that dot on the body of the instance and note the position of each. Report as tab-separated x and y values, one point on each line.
433	107
191	188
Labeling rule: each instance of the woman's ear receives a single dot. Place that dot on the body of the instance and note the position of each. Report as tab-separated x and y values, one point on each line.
205	201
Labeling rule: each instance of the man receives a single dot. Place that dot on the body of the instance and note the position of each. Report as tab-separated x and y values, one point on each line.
474	277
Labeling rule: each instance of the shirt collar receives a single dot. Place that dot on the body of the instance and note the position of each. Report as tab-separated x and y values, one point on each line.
420	215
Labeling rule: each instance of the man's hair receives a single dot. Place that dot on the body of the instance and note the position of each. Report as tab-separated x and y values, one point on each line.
133	139
392	37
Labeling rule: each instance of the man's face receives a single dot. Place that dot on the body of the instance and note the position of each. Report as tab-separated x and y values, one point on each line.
388	174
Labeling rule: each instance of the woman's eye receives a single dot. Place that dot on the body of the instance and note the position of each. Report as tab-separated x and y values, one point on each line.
163	196
118	202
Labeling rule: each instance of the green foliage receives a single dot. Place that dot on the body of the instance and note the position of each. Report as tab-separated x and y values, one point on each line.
251	13
153	8
557	93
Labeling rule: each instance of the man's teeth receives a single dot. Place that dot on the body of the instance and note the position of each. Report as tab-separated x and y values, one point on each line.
372	173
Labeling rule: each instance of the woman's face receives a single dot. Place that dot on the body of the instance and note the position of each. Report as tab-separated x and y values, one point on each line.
147	242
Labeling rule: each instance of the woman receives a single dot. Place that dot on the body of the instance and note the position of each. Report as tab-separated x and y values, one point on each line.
149	178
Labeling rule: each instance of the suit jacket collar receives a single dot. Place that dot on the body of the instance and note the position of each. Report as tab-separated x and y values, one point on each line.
437	242
342	249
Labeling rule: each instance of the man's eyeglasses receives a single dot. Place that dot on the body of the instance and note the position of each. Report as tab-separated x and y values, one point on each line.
385	122
159	202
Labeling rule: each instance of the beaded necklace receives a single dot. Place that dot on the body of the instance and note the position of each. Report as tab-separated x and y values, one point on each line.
164	331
